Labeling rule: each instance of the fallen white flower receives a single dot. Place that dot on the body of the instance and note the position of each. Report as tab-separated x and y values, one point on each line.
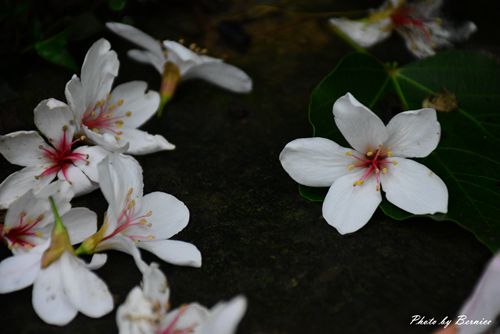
111	118
43	163
419	23
378	158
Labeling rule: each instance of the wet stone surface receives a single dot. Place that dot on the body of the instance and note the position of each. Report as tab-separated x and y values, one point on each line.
258	237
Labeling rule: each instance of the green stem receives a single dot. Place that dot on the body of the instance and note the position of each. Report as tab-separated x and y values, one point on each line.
59	226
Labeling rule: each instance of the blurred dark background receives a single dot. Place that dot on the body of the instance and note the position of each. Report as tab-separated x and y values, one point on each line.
258	237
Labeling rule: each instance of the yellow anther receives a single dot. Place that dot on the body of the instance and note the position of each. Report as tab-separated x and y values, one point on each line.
96	130
23	214
384	170
65	127
149	213
120	102
119	123
150	237
377	187
39	234
204	51
111	107
93	114
350	167
40	217
369	153
181	40
128	113
143	222
192	46
131	204
358	183
389	153
394	162
349	154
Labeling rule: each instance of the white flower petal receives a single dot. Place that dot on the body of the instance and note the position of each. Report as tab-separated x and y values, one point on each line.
137	36
49	299
168	217
348	208
415	188
155	286
20	182
133	103
180	53
97	261
99	69
118	175
123	244
106	140
140	142
80	183
359	125
136	314
174	251
315	162
80	223
364	33
221	74
23	148
75	95
95	154
484	302
19	271
225	316
147	57
192	316
413	133
55	121
87	292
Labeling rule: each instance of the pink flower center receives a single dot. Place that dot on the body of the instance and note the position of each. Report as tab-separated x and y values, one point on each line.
170	329
61	156
102	117
404	17
374	162
128	218
18	236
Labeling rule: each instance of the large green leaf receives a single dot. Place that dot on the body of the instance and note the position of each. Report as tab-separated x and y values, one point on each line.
466	158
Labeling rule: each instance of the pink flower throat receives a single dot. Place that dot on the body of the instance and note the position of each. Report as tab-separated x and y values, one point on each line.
374	163
17	236
61	156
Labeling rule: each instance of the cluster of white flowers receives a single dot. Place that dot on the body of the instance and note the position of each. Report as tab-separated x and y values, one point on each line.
41	227
418	22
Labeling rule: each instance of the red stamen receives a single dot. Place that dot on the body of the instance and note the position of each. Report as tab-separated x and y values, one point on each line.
16	235
403	17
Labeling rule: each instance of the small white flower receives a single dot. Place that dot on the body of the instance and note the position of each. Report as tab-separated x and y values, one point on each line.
194	318
43	163
145	311
188	64
378	158
134	220
145	307
419	23
67	287
111	118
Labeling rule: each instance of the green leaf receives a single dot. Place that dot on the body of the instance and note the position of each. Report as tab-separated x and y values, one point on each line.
54	49
117	5
466	157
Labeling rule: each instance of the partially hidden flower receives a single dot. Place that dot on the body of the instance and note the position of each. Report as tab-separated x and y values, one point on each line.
379	159
62	284
110	118
43	162
135	221
145	306
418	22
145	311
480	310
176	63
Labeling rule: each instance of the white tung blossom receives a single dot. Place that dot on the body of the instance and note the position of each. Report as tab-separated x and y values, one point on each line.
145	311
111	118
418	22
190	65
378	159
65	286
134	220
44	162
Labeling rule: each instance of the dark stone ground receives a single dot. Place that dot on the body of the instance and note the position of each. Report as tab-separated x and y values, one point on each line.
257	235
